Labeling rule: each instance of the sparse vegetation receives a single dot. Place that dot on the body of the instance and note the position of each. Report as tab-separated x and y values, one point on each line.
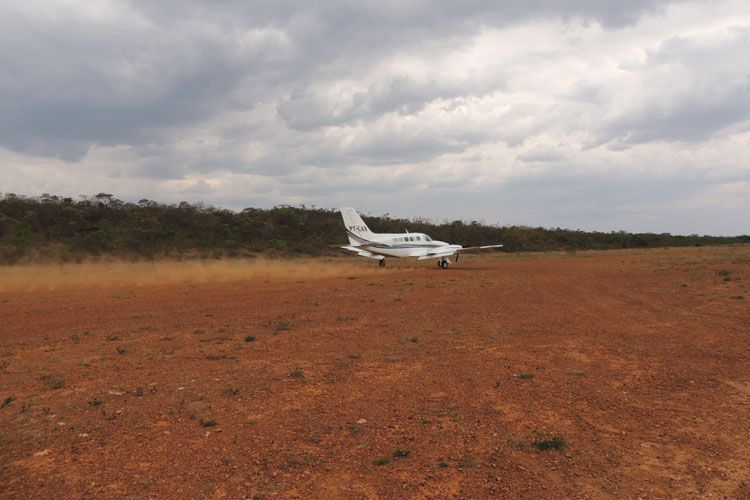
468	461
555	443
281	325
401	453
54	382
355	428
208	423
297	373
526	376
294	459
382	460
250	338
7	401
517	442
215	357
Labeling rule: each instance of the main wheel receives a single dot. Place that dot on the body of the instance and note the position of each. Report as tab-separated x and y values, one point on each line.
440	263
444	264
382	262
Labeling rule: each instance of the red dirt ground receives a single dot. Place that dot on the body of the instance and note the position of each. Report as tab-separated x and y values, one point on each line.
633	368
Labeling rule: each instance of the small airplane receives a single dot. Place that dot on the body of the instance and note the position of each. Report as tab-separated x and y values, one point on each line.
382	245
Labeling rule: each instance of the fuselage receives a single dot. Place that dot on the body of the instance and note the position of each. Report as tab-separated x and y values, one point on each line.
398	244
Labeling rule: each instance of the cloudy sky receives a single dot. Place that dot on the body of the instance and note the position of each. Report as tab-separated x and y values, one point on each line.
583	114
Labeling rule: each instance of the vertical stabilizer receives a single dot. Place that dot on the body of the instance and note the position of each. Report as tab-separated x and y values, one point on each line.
356	229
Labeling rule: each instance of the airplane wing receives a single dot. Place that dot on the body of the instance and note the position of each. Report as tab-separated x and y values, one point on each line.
447	251
474	249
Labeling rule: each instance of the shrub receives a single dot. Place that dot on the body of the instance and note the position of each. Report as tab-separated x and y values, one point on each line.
556	443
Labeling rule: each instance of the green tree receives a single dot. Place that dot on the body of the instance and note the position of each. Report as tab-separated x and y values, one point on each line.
22	237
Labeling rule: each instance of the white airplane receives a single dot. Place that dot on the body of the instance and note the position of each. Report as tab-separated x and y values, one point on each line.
382	245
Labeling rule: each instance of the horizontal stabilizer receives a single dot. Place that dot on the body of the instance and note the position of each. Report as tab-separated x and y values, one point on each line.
361	252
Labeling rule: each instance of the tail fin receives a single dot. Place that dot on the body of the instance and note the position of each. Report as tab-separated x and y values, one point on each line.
356	229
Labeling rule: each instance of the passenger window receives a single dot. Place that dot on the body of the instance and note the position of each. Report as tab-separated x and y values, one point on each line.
419	238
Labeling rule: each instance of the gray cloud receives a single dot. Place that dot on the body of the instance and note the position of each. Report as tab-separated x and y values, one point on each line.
112	78
283	101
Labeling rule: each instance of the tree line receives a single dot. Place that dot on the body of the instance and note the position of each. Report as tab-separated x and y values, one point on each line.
51	227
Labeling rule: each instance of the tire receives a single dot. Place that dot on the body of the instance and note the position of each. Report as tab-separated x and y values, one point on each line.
382	262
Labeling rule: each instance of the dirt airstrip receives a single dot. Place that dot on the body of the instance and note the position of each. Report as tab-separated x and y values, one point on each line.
596	375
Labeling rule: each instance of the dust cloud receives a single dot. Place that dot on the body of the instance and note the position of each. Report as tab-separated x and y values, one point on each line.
54	276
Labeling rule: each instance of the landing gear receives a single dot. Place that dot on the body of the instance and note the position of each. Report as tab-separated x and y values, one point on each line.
382	262
443	264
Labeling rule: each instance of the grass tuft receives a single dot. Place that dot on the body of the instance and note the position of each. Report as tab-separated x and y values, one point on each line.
54	382
468	461
556	443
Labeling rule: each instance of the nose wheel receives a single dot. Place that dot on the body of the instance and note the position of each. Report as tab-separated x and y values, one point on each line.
382	262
